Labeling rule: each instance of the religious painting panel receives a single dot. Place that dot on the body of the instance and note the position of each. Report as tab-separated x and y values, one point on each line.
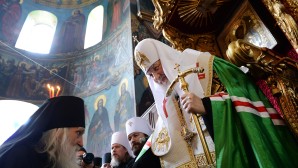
102	66
108	89
91	73
28	78
10	17
116	14
107	112
247	25
27	75
71	35
124	108
97	137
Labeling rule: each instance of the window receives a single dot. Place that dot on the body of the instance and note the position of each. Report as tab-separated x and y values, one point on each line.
37	32
94	27
13	113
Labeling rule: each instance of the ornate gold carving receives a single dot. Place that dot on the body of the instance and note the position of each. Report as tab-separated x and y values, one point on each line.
292	7
280	73
284	21
198	13
145	16
178	40
181	41
162	11
162	141
250	28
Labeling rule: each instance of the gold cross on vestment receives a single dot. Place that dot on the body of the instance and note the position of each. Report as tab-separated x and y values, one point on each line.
177	67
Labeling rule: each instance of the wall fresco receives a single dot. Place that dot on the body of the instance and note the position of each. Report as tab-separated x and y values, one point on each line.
103	75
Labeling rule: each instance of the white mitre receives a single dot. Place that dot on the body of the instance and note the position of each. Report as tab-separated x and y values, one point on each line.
138	124
120	138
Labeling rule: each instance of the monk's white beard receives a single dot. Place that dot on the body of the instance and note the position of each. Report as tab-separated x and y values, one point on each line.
115	162
61	153
67	156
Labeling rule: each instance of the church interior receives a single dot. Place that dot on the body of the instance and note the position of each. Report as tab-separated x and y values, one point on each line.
85	48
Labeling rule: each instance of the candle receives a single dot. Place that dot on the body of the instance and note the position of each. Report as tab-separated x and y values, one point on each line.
49	89
53	92
58	90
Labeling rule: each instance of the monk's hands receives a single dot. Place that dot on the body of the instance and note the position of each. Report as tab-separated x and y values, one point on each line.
192	103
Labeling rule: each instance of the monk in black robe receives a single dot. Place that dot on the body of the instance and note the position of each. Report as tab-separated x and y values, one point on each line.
50	138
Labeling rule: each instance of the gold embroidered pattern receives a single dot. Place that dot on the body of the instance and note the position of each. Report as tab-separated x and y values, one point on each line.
141	59
202	160
210	64
162	141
